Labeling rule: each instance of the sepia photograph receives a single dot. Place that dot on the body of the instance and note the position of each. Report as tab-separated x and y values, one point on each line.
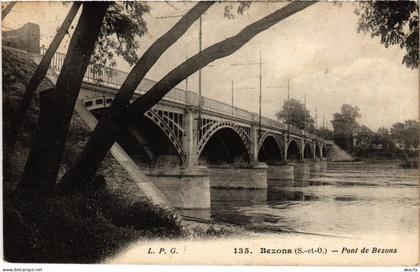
245	133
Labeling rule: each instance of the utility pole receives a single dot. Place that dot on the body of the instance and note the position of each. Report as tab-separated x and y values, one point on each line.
305	118
316	119
200	33
232	97
288	107
200	38
186	79
288	98
233	92
280	87
259	119
260	63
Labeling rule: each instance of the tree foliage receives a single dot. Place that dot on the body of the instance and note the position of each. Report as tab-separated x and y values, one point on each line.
121	28
406	135
345	125
295	113
395	22
382	138
241	7
363	136
325	133
402	139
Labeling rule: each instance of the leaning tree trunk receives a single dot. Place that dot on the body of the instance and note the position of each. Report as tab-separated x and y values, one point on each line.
44	159
38	76
105	135
82	172
7	10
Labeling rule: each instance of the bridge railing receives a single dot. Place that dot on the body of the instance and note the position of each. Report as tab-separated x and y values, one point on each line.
98	74
273	123
211	104
108	76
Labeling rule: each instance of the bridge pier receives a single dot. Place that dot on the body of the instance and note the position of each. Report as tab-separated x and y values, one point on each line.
301	170
246	177
314	168
280	175
184	188
189	142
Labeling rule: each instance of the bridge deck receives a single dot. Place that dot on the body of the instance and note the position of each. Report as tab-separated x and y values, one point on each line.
114	78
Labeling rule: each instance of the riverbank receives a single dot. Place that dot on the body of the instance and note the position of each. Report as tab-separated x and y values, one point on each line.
85	227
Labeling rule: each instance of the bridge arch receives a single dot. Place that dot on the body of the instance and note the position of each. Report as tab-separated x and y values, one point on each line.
173	130
169	123
270	149
224	143
293	151
307	151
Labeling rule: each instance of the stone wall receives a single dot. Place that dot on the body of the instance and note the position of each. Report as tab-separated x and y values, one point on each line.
247	177
26	38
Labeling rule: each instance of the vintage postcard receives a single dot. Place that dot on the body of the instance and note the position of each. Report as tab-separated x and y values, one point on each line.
244	133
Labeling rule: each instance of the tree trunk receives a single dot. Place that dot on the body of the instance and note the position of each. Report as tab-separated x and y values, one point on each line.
7	10
39	75
140	139
105	135
94	151
44	159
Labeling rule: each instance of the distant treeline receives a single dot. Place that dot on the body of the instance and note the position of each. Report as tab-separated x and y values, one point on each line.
401	140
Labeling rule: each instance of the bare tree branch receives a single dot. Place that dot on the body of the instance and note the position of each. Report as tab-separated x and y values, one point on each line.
170	4
216	51
7	10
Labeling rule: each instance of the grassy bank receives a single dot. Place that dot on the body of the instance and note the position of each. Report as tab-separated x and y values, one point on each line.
82	228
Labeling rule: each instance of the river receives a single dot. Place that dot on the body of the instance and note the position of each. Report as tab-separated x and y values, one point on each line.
350	199
351	205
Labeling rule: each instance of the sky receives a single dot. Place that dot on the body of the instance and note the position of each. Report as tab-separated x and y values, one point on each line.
318	49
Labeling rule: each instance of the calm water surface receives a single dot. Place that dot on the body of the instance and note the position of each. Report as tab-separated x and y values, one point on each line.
349	199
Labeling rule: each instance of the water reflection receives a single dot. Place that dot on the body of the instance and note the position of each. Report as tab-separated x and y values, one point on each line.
276	196
349	199
237	197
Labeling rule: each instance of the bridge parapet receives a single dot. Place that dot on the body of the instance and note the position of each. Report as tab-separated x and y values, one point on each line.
114	78
270	122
